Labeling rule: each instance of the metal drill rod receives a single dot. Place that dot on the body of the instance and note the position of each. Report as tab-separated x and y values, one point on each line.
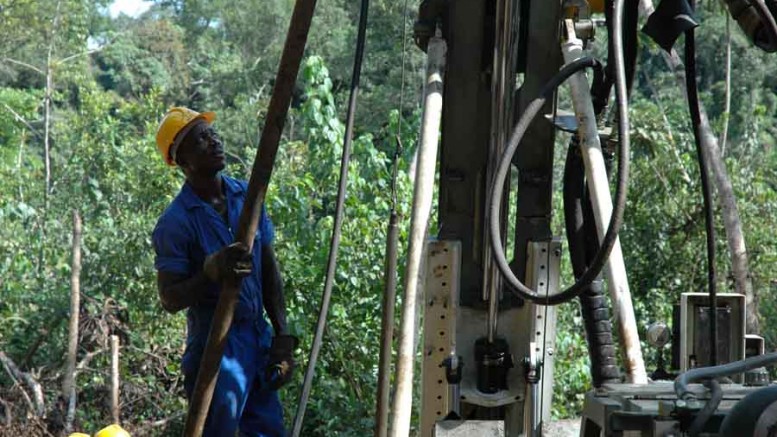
387	329
401	407
502	84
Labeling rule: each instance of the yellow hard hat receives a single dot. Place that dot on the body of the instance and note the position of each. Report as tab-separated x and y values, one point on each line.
173	128
112	431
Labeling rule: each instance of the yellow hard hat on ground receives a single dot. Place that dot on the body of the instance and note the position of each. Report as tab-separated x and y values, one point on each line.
173	128
112	431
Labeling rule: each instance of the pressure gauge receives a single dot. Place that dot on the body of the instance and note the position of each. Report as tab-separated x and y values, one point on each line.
658	334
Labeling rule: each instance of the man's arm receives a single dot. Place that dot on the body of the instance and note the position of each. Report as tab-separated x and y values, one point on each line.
272	291
177	292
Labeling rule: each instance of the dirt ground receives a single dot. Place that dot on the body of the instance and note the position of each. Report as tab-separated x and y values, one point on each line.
562	428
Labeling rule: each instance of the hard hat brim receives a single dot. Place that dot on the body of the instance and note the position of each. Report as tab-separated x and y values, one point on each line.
207	117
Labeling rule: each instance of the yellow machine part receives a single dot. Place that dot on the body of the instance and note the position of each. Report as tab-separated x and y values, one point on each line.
112	431
596	5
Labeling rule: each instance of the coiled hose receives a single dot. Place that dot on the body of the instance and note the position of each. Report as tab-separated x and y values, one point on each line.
599	261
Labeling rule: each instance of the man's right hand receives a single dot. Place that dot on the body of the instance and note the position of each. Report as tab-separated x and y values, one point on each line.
231	263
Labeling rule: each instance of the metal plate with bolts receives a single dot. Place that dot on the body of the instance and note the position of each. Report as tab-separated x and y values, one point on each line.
542	274
440	310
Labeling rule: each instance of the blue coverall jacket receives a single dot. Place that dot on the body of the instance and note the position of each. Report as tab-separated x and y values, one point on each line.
188	231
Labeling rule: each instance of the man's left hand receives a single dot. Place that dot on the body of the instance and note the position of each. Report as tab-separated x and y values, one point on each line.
281	365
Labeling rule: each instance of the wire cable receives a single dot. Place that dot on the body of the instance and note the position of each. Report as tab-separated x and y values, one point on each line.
382	398
337	230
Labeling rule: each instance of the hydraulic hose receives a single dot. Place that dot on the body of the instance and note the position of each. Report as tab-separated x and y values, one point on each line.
616	219
709	223
716	395
337	229
755	19
583	244
701	373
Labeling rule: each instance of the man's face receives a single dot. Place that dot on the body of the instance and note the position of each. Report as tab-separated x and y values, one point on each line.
201	151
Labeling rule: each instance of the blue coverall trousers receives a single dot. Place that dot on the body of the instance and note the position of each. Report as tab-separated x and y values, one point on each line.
241	400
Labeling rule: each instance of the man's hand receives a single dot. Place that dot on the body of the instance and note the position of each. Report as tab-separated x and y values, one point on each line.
281	364
231	263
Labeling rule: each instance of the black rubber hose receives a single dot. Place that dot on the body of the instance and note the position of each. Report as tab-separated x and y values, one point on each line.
770	26
709	223
497	189
584	243
616	219
580	227
630	40
337	229
701	373
716	395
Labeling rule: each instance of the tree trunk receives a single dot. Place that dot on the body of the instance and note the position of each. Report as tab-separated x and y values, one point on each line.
727	103
731	220
68	383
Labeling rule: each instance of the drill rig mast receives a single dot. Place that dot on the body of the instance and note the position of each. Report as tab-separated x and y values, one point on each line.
487	348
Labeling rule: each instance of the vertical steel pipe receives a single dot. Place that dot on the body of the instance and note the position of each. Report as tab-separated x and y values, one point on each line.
422	205
502	87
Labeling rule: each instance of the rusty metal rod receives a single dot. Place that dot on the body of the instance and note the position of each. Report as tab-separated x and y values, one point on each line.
387	328
293	50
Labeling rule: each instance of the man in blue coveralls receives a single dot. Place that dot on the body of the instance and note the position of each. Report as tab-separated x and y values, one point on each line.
195	253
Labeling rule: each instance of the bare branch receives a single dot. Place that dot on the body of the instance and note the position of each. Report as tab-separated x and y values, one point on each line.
78	55
25	65
20	119
37	391
86	360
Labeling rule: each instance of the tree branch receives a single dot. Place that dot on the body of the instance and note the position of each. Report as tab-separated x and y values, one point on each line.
37	391
25	65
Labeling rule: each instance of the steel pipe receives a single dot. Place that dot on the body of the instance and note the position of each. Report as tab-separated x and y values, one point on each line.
422	206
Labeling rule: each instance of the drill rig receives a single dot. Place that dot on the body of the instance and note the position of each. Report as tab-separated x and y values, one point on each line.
489	322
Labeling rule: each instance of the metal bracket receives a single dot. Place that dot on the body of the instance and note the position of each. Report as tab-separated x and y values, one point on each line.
440	311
